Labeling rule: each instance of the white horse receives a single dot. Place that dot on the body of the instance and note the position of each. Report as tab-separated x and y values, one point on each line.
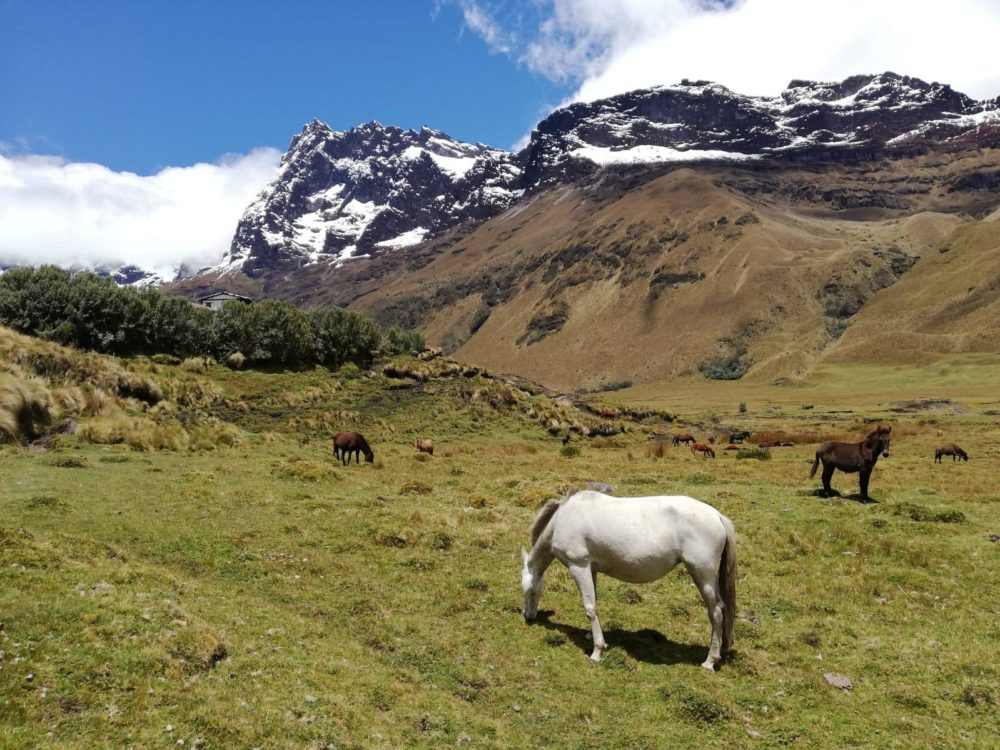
638	540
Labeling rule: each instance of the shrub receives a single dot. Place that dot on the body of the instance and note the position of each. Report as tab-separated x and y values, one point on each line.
569	451
731	366
743	407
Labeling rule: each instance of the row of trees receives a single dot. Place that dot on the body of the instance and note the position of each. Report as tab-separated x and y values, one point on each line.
92	312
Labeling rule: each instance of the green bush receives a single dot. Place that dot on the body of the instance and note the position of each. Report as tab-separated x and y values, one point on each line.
91	312
569	451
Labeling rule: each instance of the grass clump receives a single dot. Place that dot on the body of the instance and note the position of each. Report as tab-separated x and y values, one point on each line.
760	454
71	462
569	451
45	502
920	513
305	470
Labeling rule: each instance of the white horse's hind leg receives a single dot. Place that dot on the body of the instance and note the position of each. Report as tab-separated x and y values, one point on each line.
585	581
707	581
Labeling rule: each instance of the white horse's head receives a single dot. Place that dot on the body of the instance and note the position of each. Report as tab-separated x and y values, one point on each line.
532	585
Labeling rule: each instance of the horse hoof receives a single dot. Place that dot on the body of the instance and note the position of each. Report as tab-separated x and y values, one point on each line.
596	656
709	665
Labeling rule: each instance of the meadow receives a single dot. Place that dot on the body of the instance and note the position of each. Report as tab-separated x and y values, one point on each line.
252	593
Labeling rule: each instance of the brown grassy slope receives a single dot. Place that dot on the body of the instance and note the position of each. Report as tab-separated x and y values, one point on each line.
567	284
643	275
948	304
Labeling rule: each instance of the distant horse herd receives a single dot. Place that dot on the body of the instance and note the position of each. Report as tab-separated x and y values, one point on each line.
641	539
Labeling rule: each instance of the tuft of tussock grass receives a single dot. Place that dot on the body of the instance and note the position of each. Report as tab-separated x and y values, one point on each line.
569	451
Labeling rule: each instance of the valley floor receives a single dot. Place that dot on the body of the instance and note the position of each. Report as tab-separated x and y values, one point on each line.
260	596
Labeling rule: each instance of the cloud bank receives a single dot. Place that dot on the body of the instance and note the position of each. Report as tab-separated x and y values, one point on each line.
606	47
81	214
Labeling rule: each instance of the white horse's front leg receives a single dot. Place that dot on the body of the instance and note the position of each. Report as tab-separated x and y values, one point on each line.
585	581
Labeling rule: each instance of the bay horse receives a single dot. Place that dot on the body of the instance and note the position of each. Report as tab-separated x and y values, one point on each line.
708	450
950	449
852	457
637	540
425	446
684	437
346	443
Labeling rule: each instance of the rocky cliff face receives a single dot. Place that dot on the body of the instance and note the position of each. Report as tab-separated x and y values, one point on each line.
860	117
376	190
370	190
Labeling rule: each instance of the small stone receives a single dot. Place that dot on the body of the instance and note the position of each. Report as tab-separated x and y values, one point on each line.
753	734
199	742
463	739
838	681
170	727
29	677
517	709
311	699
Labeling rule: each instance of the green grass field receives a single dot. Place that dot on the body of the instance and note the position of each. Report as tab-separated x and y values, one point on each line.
260	596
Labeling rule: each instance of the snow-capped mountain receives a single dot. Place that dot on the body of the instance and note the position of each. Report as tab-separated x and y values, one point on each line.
377	189
371	189
861	117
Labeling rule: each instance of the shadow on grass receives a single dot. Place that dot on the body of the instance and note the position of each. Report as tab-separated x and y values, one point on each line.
646	645
821	493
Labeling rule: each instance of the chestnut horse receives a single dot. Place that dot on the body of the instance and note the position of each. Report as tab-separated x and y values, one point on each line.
950	449
852	457
346	443
425	446
708	450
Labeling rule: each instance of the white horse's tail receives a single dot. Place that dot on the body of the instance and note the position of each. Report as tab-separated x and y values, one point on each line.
727	584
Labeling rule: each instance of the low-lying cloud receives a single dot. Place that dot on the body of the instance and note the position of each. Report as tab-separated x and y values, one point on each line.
606	47
81	214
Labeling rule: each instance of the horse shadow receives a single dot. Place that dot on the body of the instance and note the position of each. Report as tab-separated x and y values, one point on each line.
823	495
645	645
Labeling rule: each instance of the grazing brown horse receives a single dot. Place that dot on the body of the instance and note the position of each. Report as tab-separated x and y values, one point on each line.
346	443
950	449
852	457
684	437
708	450
425	446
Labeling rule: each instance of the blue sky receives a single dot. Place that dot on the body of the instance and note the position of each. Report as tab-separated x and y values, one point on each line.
138	131
140	85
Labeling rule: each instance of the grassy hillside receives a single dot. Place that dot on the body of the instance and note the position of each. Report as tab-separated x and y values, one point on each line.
256	594
760	272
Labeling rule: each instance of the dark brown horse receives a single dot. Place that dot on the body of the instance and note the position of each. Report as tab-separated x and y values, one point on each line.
708	450
852	457
950	449
425	446
346	443
684	437
738	436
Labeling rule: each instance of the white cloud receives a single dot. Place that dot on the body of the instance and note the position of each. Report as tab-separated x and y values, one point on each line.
75	213
607	47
